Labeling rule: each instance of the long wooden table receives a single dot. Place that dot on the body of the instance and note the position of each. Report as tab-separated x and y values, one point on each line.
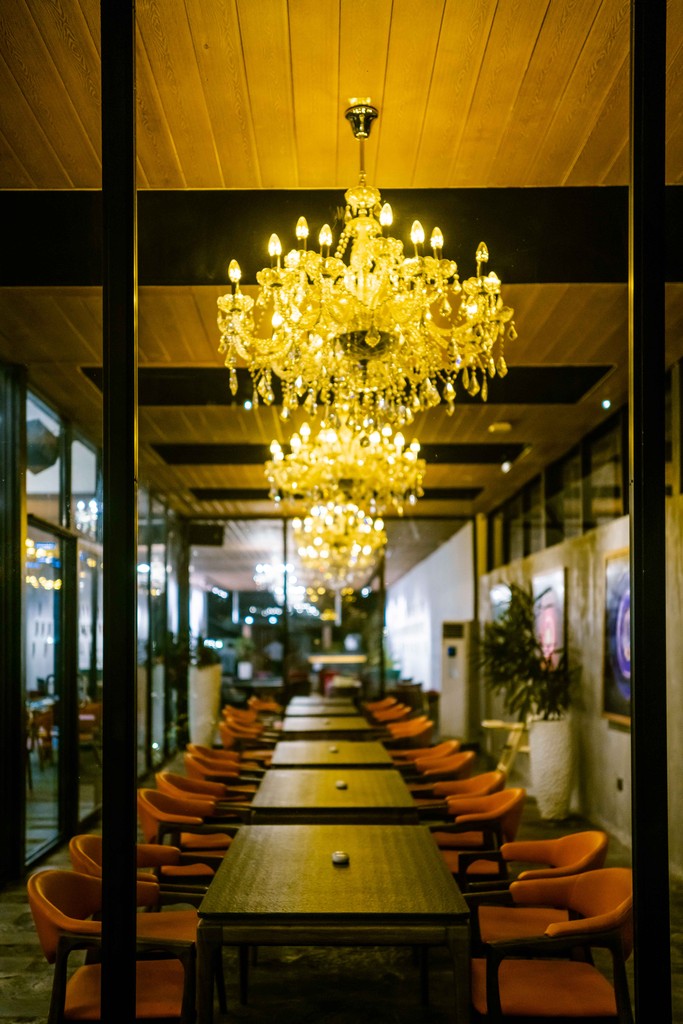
321	727
279	886
330	754
343	709
317	795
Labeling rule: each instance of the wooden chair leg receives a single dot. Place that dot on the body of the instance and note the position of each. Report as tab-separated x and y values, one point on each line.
244	974
424	975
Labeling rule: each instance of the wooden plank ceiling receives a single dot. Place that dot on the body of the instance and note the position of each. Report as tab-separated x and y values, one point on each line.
250	94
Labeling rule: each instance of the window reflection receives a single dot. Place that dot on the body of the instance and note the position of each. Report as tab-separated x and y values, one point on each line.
85	504
44	437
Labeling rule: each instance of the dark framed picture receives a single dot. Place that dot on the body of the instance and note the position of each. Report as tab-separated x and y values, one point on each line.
550	612
617	647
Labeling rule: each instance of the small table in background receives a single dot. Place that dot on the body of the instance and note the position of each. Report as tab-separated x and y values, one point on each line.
330	754
322	727
318	795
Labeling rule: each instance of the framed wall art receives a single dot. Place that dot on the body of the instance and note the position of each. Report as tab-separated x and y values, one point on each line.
617	646
550	611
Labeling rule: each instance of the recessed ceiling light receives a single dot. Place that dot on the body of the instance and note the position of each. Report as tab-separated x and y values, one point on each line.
248	404
506	467
500	427
606	403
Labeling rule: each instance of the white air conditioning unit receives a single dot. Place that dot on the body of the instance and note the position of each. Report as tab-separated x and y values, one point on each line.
455	703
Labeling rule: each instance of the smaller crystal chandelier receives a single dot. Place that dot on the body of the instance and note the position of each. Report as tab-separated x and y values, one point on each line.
376	470
365	324
338	543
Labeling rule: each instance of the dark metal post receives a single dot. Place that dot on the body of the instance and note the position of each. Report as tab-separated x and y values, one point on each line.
382	609
13	752
285	607
647	508
119	829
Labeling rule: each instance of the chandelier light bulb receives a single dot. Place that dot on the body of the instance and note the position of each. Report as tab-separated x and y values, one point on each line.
417	233
325	236
234	272
302	230
386	216
436	240
274	246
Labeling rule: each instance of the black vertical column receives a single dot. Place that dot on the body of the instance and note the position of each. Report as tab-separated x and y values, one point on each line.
119	829
285	606
647	508
13	752
382	618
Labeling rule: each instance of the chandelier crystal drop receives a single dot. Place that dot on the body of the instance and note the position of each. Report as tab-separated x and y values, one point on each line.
376	470
364	323
338	543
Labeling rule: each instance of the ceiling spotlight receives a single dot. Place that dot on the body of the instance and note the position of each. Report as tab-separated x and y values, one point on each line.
500	427
606	403
248	404
506	466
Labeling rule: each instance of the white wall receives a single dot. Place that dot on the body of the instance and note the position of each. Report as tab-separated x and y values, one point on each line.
439	589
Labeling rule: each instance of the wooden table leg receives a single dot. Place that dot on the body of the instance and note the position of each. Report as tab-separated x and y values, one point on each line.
459	945
209	944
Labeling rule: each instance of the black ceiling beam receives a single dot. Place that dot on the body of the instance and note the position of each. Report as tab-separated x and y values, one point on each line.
535	235
262	494
523	385
257	454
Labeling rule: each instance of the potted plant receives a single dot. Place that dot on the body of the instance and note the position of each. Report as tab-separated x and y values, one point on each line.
536	689
204	692
246	648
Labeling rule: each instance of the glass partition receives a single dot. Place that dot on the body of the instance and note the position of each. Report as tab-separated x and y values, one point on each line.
89	679
43	687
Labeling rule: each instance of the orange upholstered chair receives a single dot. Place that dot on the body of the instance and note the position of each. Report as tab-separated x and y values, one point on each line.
414	732
232	738
264	706
551	976
220	754
183	785
443	749
190	823
166	865
395	713
442	769
433	796
220	771
567	855
478	823
497	916
63	904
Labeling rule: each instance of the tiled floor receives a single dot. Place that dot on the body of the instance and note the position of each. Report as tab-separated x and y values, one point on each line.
296	985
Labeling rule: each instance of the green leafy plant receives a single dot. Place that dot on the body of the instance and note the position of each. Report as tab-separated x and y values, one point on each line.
245	648
202	655
532	685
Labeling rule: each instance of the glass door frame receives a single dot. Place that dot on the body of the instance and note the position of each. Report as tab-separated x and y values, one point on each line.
67	800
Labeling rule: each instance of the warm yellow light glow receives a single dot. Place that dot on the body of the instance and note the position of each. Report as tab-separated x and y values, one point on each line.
274	246
368	325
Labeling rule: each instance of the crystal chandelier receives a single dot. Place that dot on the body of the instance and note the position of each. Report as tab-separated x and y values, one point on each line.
375	469
338	543
363	323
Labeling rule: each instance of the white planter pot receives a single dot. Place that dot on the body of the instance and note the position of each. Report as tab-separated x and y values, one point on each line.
551	752
204	702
